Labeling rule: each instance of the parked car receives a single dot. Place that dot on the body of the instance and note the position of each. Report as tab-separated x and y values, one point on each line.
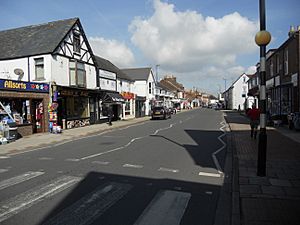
160	112
172	110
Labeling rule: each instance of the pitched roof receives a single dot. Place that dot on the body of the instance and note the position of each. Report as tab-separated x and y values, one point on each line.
34	40
138	73
109	66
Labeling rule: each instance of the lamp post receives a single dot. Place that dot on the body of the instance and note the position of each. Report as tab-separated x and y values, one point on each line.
262	39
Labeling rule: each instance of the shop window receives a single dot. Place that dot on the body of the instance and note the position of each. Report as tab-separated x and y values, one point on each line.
19	110
77	107
39	69
127	107
77	74
76	42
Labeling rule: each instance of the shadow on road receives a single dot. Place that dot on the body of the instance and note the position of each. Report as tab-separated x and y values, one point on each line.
102	198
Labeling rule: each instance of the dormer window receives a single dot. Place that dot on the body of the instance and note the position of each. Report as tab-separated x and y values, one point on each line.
76	42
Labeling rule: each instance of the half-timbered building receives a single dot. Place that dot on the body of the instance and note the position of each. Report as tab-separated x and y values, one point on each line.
47	67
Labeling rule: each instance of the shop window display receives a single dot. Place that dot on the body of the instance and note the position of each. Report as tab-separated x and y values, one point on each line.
18	108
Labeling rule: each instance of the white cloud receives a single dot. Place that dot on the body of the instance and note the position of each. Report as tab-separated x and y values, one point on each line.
188	42
116	52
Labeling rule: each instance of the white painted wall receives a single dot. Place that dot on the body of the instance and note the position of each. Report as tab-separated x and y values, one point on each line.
240	87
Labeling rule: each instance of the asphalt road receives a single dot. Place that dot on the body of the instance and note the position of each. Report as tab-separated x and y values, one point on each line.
157	172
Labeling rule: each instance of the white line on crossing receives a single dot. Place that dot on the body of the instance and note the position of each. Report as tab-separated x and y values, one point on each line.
3	170
91	206
210	174
167	208
19	179
168	170
25	200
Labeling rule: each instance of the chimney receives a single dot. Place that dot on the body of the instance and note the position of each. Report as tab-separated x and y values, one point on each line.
292	31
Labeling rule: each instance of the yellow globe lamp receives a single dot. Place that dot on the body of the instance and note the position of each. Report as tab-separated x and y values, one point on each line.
262	38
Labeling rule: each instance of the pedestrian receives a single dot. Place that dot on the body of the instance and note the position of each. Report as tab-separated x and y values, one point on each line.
254	115
110	115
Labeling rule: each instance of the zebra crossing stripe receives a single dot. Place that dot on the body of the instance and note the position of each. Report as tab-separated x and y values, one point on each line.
19	179
3	170
91	206
27	199
167	208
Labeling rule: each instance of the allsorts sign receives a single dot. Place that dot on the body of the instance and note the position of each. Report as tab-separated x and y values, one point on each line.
23	86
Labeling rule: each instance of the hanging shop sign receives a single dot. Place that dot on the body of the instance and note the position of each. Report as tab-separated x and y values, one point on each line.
128	95
14	85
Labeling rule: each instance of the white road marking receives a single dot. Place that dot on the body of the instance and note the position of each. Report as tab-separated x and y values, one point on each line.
91	206
4	157
208	192
3	170
101	162
133	166
19	179
217	164
167	208
27	199
72	160
45	158
168	170
210	174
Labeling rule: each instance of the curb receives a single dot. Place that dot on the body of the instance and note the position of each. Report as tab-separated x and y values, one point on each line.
223	214
235	191
70	137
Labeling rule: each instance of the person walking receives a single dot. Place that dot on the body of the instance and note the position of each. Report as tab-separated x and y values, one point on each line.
110	115
254	115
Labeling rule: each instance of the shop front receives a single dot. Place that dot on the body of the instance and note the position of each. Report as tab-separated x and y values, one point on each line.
73	107
129	106
24	104
140	106
114	101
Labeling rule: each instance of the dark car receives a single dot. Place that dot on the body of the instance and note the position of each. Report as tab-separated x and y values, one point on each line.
160	112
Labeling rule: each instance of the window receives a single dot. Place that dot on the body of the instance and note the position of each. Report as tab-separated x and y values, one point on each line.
150	89
39	69
76	41
77	74
286	62
271	68
277	64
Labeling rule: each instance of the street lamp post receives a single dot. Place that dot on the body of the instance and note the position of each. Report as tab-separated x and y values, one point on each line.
262	39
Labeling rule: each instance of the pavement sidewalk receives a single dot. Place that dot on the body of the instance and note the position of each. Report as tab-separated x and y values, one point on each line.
41	140
275	198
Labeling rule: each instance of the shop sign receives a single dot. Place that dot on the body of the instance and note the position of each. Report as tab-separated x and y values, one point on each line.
66	92
23	86
107	74
128	95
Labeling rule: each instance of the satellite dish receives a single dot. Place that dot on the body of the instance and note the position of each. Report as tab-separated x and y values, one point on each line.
19	72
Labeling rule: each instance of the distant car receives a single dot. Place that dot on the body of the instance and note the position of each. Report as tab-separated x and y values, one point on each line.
160	112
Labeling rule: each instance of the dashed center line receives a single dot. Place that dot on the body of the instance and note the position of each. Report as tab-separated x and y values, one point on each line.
45	158
72	160
101	162
133	166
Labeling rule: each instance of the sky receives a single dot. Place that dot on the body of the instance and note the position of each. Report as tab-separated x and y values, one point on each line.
206	44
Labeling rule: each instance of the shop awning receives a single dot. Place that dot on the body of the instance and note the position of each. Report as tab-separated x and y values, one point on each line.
113	97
